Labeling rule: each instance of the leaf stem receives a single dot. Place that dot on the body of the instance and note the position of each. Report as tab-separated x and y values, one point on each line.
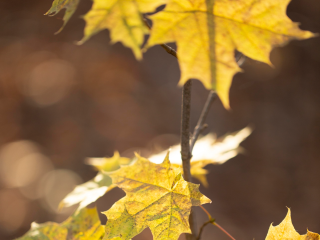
201	125
223	230
205	210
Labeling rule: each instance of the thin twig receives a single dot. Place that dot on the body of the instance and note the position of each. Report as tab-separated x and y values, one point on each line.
223	230
200	125
213	221
201	229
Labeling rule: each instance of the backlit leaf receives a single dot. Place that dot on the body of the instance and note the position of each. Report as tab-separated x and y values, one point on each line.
124	20
90	191
207	150
156	197
207	33
285	230
84	225
58	5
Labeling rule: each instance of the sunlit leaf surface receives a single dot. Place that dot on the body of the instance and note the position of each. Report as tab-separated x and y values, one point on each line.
156	197
207	33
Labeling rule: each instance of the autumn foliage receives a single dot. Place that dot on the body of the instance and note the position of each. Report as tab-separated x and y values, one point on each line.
207	34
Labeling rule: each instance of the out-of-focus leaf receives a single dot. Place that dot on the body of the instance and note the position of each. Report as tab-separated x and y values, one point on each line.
156	197
285	230
58	5
84	225
90	191
109	164
207	33
208	150
199	173
124	20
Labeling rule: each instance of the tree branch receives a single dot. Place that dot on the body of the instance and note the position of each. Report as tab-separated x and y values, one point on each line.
185	146
201	125
185	130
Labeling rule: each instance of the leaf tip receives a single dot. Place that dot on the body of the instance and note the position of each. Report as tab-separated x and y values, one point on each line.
166	159
137	155
204	200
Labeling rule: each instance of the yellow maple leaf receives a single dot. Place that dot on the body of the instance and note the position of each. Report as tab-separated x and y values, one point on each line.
90	191
58	5
84	225
285	230
156	197
124	20
207	33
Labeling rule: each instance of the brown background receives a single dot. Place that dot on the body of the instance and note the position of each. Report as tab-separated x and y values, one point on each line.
71	102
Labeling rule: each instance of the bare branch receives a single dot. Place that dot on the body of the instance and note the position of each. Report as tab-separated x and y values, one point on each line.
185	146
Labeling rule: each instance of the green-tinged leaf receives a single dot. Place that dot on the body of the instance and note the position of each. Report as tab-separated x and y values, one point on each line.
84	225
156	197
124	20
45	231
58	5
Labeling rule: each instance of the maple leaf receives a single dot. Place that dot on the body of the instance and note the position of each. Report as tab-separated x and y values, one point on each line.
207	33
124	20
84	225
207	150
90	191
285	230
156	197
58	5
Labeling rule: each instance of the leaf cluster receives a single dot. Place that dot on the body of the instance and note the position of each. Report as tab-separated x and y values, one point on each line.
207	33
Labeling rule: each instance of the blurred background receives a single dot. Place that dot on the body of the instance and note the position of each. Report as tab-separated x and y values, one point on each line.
61	103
